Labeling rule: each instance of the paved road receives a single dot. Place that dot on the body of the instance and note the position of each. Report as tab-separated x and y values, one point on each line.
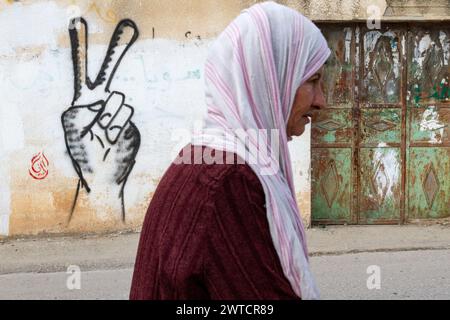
404	275
95	285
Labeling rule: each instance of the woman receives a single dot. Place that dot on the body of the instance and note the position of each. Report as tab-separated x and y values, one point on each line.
231	229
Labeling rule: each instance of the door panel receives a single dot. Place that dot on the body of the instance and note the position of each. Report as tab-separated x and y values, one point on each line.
332	133
430	125
428	60
332	127
380	185
382	67
331	185
429	186
428	122
338	79
380	126
381	118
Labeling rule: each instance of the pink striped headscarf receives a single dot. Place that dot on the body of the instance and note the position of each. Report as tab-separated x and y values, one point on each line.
253	71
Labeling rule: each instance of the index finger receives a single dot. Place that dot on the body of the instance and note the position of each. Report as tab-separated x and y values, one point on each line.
123	38
78	39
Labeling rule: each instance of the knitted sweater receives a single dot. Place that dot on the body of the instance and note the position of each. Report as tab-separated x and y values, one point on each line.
206	236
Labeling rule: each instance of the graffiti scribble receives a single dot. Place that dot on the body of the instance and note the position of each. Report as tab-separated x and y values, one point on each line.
39	167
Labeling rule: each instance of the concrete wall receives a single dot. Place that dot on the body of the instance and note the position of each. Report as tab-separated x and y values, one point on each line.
161	77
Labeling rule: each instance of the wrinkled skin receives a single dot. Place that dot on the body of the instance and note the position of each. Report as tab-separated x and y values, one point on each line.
308	98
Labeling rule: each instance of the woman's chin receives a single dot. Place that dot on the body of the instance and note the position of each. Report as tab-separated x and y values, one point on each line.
300	131
297	133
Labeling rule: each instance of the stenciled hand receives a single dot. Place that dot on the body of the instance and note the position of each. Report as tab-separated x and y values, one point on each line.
101	139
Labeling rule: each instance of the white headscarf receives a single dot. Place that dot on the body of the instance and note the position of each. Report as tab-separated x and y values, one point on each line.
252	73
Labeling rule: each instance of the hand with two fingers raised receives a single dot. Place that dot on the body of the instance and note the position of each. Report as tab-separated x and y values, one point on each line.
101	138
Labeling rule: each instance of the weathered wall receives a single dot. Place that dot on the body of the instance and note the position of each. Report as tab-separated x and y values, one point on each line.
161	77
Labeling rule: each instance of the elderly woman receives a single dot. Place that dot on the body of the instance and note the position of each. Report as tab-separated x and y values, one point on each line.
232	229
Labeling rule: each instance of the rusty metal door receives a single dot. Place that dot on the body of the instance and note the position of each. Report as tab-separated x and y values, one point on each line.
333	133
377	147
428	140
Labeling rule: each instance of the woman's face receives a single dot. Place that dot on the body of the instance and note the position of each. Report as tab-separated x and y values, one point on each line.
309	97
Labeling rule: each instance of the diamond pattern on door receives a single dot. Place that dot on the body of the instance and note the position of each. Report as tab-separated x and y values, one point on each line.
381	126
430	185
380	182
330	184
329	125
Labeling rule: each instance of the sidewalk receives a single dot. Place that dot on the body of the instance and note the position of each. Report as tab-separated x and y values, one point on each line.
118	251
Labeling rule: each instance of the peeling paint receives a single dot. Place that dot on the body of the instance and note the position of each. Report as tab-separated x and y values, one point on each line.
430	122
389	160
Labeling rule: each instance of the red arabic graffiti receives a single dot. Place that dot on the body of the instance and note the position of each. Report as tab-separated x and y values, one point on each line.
39	166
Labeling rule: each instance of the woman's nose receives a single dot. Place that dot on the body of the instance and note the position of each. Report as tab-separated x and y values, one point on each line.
319	99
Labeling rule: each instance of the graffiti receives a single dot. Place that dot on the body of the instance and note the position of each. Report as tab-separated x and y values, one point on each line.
39	166
100	137
188	35
197	39
163	81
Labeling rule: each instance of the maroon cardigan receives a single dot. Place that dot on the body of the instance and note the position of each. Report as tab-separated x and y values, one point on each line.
206	236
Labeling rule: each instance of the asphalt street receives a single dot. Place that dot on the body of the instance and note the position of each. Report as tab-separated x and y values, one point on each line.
419	274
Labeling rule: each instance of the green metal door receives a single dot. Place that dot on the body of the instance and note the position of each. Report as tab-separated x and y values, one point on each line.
381	126
381	149
429	120
333	133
